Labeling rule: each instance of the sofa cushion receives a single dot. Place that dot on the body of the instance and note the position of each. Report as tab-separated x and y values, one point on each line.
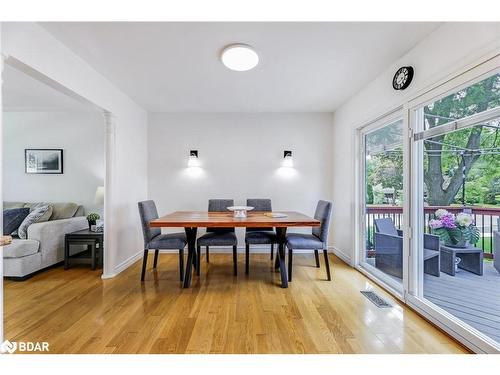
32	218
21	248
10	205
46	216
63	210
13	218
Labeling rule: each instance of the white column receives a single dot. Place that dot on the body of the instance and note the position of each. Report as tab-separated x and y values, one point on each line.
109	188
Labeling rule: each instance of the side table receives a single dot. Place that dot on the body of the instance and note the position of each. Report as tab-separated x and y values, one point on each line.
95	249
471	259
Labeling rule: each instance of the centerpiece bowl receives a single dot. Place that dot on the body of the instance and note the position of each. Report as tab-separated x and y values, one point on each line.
240	211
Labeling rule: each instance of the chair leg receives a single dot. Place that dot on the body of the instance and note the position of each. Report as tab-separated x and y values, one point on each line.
235	260
327	265
181	263
247	259
272	251
198	260
290	263
144	263
316	255
156	258
207	253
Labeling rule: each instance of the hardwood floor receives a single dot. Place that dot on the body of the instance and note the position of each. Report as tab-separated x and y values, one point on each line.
77	312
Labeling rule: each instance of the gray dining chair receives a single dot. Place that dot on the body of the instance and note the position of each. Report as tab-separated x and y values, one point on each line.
317	240
154	240
218	236
259	236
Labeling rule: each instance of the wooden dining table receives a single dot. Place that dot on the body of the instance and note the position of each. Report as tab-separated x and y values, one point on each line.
192	220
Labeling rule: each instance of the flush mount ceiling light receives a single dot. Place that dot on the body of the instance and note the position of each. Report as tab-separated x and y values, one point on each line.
239	57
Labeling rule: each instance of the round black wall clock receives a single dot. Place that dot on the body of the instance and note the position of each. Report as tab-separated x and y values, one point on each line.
402	78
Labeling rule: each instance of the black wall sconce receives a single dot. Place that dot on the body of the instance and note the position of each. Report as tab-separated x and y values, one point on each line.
193	159
287	159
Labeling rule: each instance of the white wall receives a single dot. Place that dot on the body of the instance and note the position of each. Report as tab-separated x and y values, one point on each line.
240	156
79	134
445	51
32	45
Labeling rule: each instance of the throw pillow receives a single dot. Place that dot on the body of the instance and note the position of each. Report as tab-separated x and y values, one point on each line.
13	218
32	218
46	216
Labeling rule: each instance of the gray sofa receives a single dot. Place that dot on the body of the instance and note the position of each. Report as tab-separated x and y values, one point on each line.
44	246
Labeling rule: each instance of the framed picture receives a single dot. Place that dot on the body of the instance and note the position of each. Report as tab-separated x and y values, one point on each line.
43	161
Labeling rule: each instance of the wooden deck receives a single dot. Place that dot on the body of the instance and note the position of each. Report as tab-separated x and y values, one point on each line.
472	298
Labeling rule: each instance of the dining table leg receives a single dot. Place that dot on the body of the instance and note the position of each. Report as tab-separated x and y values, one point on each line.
191	240
280	258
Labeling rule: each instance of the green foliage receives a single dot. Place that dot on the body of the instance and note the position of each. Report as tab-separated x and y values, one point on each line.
456	236
369	194
378	194
387	170
443	234
472	234
93	216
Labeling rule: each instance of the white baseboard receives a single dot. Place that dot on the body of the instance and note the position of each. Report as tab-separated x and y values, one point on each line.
124	265
342	255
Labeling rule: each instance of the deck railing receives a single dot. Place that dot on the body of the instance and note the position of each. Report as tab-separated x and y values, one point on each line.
484	217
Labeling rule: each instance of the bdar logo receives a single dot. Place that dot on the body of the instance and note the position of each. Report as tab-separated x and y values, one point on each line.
8	347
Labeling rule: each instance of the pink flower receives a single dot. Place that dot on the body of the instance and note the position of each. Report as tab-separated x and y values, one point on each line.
448	221
435	224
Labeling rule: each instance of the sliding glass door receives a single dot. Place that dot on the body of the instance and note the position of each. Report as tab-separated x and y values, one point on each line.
428	214
381	210
455	192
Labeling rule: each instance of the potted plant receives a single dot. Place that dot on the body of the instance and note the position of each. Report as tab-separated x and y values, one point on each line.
454	230
92	218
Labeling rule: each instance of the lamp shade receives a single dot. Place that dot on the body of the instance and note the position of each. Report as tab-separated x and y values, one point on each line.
99	196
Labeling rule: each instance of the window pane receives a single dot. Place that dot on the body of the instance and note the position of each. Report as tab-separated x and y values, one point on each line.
473	99
383	178
460	185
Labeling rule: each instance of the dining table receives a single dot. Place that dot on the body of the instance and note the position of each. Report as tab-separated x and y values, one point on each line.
192	220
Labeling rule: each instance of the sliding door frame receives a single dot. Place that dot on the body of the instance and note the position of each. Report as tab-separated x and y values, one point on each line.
467	335
360	215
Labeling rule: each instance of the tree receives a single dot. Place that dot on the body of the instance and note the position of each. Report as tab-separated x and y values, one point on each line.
387	170
442	185
385	165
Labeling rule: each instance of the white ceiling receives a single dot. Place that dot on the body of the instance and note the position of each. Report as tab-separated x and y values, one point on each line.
304	67
22	93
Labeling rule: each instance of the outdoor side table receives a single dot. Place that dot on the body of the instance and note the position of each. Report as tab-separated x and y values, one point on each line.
93	255
471	259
